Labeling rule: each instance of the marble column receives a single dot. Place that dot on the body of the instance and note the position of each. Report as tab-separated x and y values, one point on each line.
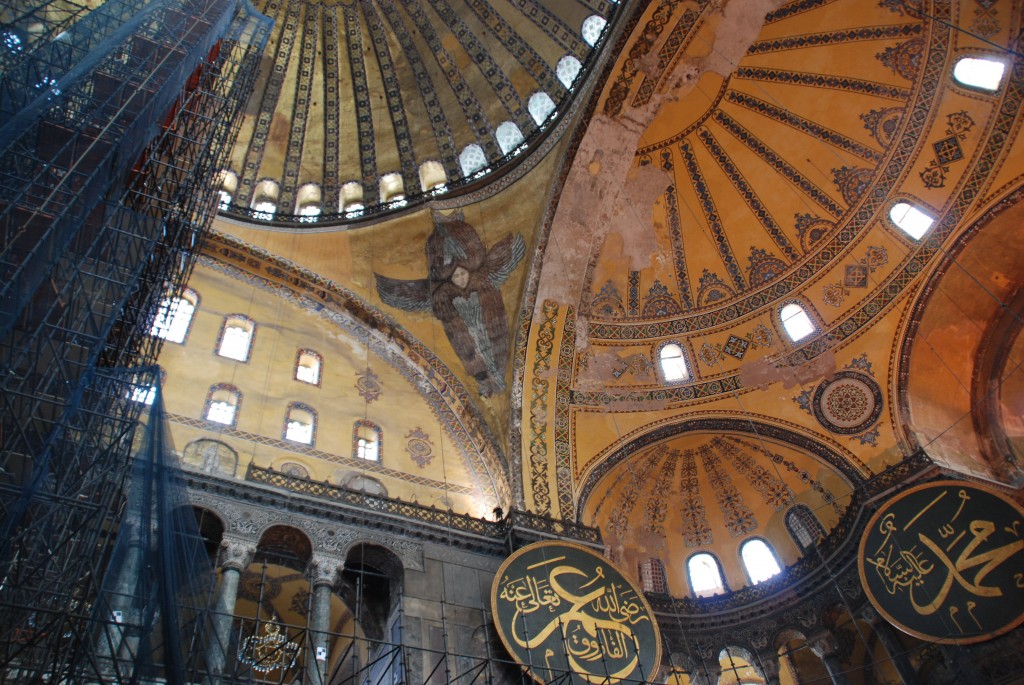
236	555
891	642
769	668
323	571
824	647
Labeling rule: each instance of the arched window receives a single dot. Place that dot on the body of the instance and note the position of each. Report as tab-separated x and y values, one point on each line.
367	440
541	107
144	393
759	560
910	219
175	316
236	337
979	72
795	320
672	363
432	176
351	201
227	185
307	366
803	526
307	202
705	575
264	199
222	404
300	423
593	27
472	159
509	137
392	188
567	69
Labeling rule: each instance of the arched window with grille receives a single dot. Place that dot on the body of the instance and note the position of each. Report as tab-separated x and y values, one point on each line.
308	366
796	322
704	573
910	219
236	337
759	560
567	69
367	441
672	363
174	318
300	423
222	404
593	27
541	106
472	159
509	137
803	526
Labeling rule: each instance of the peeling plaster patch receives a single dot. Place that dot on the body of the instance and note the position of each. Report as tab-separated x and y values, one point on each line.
739	27
763	372
597	183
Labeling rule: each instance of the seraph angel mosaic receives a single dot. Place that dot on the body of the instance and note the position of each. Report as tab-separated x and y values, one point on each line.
462	290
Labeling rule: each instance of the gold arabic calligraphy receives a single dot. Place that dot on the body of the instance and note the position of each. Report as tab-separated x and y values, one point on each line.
592	616
922	563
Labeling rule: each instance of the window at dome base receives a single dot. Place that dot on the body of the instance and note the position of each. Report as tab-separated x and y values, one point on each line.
472	159
673	363
509	137
759	560
593	27
979	72
910	219
567	69
541	107
705	575
796	322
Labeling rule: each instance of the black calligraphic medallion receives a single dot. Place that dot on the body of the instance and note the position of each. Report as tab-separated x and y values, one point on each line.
563	610
944	561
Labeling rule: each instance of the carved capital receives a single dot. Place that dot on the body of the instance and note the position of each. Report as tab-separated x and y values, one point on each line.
236	553
823	644
770	668
324	569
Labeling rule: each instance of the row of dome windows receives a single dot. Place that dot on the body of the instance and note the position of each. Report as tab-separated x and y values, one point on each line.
704	570
472	159
977	72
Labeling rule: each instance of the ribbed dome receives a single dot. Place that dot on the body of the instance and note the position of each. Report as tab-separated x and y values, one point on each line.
363	107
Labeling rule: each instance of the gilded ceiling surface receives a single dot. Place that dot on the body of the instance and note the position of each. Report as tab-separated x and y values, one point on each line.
730	159
365	105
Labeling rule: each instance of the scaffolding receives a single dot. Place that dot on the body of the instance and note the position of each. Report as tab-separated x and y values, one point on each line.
116	119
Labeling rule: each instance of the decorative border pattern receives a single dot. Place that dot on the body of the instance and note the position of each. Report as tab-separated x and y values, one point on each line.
563	391
539	476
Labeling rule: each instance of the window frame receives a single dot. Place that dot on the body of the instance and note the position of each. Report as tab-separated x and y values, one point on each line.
307	352
223	331
189	295
660	369
370	425
771	551
313	415
217	388
899	229
703	594
794	515
808	312
975	88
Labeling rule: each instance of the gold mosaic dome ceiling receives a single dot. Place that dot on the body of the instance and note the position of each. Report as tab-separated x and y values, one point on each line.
364	107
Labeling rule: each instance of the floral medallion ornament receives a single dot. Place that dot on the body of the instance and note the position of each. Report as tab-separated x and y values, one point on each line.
566	614
368	385
848	403
419	447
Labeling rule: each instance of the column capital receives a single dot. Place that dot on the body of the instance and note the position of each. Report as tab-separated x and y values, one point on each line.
323	569
823	644
236	553
769	667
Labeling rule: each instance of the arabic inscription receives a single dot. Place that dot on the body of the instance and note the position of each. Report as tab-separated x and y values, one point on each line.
945	561
560	608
